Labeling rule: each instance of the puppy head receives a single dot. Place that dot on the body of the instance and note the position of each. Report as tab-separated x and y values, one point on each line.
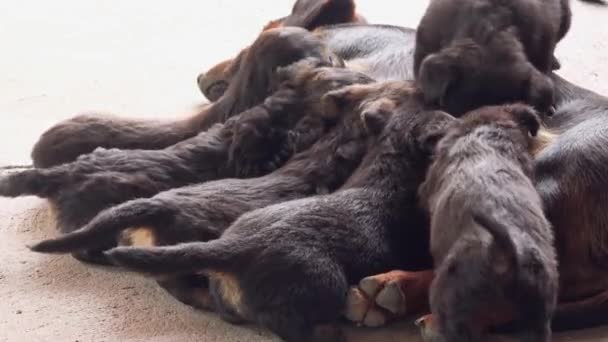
395	113
520	119
448	78
308	14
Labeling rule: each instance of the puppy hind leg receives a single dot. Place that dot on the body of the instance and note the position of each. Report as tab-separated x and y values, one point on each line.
306	304
35	182
192	290
541	92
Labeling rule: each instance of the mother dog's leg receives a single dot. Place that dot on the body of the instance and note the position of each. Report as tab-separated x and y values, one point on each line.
572	176
378	299
253	82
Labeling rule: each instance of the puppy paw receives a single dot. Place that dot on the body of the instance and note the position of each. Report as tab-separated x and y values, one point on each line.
361	309
428	328
380	299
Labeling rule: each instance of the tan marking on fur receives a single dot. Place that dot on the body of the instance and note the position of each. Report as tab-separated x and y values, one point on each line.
357	66
203	298
138	237
543	139
230	289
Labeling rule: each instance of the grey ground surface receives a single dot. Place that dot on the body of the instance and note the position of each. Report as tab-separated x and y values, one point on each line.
140	58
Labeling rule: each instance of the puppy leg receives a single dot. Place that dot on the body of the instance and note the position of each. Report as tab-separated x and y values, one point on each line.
35	182
541	93
192	290
582	313
302	306
81	135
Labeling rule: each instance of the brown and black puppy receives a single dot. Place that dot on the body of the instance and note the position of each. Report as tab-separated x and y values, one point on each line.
471	53
202	212
251	144
491	243
308	14
288	266
254	81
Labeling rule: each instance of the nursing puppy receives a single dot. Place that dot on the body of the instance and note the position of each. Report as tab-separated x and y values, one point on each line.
492	246
202	212
251	144
471	53
288	267
253	82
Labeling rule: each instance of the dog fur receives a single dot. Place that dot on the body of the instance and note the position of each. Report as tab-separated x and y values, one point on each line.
490	52
491	243
308	14
251	144
253	82
202	212
288	266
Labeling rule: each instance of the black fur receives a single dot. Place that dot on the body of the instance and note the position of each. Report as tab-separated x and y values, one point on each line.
253	143
293	262
491	243
471	53
203	211
253	82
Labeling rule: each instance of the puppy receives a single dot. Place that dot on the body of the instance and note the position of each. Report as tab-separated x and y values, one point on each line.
471	53
202	212
251	144
491	243
254	81
287	267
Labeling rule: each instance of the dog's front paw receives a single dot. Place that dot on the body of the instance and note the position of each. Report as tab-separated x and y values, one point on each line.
428	328
381	298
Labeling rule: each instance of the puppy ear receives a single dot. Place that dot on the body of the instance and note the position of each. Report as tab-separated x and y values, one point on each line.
526	117
334	102
435	77
376	115
311	14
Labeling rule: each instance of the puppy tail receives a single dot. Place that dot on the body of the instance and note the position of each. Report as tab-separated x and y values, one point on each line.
107	224
506	261
35	182
217	255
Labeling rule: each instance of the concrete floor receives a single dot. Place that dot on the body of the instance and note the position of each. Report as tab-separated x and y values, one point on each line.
140	59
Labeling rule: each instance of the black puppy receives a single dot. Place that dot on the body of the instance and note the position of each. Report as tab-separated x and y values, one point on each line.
202	212
288	267
253	143
471	53
490	240
254	81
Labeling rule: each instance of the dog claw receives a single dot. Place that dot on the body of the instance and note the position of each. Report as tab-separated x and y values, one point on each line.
356	305
427	328
392	299
374	318
370	286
